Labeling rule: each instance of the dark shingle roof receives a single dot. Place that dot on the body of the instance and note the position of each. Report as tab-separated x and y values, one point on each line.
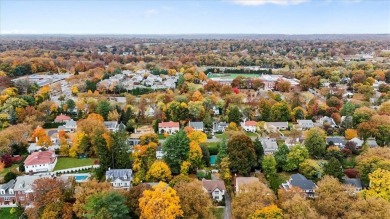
300	181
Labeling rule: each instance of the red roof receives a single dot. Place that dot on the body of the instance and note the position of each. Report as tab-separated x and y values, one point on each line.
62	117
250	123
168	124
211	185
42	157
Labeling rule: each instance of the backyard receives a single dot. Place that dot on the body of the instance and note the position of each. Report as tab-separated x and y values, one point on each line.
9	169
5	213
67	162
218	212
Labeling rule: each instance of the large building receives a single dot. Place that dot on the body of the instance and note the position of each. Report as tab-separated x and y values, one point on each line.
120	178
43	161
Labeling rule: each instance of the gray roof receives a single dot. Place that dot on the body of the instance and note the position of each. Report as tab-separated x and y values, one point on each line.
305	123
278	124
26	182
71	123
336	140
372	142
7	186
300	181
119	173
269	144
111	124
196	125
353	182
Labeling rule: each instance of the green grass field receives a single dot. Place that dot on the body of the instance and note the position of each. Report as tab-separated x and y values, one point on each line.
8	169
232	75
67	162
218	213
4	213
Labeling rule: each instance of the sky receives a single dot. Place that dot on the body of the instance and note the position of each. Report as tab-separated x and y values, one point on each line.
195	17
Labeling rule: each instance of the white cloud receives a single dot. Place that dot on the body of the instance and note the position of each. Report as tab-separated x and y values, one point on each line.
263	2
150	12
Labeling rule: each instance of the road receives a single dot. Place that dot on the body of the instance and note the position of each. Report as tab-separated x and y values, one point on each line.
228	210
208	140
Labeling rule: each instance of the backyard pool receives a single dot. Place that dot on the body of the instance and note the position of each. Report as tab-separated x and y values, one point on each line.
79	177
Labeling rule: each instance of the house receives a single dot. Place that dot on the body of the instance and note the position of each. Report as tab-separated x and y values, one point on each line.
327	120
241	181
355	182
357	141
300	181
134	138
371	142
305	124
34	147
120	178
159	153
336	140
269	144
62	118
70	126
111	125
275	126
249	126
168	127
289	141
197	126
219	126
42	161
216	188
215	110
7	194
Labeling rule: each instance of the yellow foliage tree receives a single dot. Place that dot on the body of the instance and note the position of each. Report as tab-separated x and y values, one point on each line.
195	155
77	138
95	116
74	90
269	212
159	171
350	133
197	96
197	136
379	185
161	202
232	127
185	167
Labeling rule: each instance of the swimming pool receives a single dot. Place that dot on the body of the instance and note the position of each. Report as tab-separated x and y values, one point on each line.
79	177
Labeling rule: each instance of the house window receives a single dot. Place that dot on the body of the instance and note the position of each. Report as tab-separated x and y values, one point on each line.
216	192
7	198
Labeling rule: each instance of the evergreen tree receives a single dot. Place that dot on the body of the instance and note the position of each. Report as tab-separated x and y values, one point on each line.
241	154
12	116
180	80
234	115
259	151
334	168
281	156
222	150
208	121
103	108
205	154
104	156
176	149
120	151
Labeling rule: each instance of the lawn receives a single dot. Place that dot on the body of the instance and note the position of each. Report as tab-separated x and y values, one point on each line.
161	137
4	213
67	162
251	134
220	136
218	212
8	169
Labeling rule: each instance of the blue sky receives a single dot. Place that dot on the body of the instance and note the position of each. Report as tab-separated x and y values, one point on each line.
188	17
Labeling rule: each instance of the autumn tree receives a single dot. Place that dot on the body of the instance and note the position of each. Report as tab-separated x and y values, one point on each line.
194	202
241	154
371	160
159	171
41	136
259	152
315	142
280	112
132	197
234	115
310	169
350	133
369	208
160	202
195	155
333	198
197	136
268	212
379	185
299	207
250	198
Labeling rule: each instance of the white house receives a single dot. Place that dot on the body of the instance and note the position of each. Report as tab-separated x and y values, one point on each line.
120	178
249	126
70	126
159	153
275	126
43	161
327	120
169	127
305	124
216	188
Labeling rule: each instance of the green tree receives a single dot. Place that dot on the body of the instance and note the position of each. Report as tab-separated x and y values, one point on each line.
280	112
296	156
176	149
348	109
234	115
120	151
269	166
103	108
259	151
103	154
70	104
222	150
315	142
281	156
310	169
241	154
112	202
334	168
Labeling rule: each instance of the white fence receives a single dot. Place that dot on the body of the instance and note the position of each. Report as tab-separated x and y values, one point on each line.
76	169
